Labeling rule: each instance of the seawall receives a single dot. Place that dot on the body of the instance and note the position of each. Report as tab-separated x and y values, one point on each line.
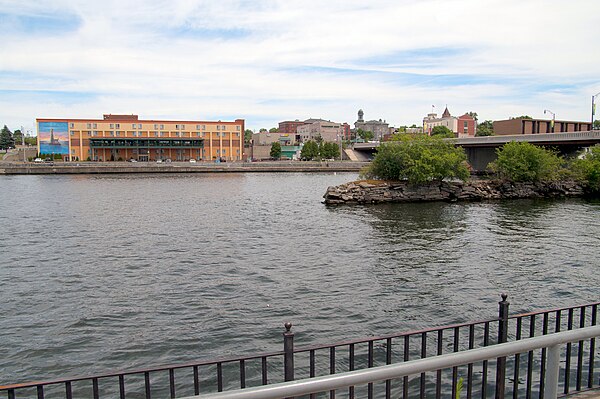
176	167
372	192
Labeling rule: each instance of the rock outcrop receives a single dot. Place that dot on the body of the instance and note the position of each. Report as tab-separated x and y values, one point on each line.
373	192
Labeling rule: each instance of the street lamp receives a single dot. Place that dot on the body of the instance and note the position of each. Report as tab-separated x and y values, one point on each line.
553	118
593	110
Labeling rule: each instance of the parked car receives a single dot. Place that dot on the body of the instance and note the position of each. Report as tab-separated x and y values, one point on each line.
38	160
192	160
133	160
159	161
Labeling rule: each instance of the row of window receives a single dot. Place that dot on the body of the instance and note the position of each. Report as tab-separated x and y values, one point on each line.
157	126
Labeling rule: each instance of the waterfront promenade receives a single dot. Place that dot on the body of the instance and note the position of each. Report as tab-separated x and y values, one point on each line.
177	167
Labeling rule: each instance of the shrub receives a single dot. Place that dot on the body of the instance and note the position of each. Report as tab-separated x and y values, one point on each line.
418	159
587	169
525	162
442	131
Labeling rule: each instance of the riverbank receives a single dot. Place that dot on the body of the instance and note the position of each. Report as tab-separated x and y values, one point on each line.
373	191
177	167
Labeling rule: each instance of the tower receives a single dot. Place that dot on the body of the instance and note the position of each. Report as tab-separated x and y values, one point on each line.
360	115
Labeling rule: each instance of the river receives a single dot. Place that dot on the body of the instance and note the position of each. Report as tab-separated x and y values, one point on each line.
103	272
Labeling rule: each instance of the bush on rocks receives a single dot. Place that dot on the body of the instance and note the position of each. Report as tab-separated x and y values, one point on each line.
418	159
525	162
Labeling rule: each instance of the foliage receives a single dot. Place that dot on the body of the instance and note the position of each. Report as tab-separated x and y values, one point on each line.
329	150
521	117
262	130
247	136
485	128
418	159
366	135
473	115
596	124
587	169
442	131
6	139
459	388
275	150
273	130
18	137
310	150
525	162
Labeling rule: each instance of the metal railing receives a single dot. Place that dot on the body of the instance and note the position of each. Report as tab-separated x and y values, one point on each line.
521	375
550	342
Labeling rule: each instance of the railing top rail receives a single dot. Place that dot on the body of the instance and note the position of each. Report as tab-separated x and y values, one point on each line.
393	335
395	371
539	312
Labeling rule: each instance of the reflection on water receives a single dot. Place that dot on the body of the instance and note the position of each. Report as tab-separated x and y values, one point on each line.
103	272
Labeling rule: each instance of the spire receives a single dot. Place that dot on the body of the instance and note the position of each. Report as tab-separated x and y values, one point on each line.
446	113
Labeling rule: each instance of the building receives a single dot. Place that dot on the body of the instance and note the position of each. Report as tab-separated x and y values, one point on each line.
516	126
462	126
124	137
378	128
290	127
268	138
327	130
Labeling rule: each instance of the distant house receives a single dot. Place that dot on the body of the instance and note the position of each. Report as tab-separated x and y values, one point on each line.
378	128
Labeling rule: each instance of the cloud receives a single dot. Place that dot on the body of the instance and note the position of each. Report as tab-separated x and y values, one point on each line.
273	60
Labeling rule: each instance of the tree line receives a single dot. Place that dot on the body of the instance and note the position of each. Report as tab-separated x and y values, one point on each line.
10	139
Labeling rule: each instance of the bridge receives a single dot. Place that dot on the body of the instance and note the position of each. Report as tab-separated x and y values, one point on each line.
482	150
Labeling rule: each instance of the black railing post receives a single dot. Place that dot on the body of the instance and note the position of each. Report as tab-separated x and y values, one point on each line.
502	337
288	352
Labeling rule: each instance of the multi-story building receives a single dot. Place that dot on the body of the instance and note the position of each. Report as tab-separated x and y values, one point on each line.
327	130
290	127
124	137
268	138
538	126
378	128
462	126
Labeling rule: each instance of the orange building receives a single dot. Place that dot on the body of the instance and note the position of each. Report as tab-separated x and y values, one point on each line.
124	137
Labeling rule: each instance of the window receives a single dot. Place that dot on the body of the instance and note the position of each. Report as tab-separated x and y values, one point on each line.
118	134
237	128
155	134
72	125
198	127
133	125
156	126
224	152
223	127
217	152
72	133
162	127
237	134
112	126
112	133
95	126
118	126
203	127
218	127
89	125
139	125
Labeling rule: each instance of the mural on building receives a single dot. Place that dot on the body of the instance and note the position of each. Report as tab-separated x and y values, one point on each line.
53	138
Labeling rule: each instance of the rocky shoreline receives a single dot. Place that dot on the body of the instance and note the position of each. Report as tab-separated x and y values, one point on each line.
373	191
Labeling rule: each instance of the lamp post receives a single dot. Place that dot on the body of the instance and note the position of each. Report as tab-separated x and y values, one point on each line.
553	118
593	110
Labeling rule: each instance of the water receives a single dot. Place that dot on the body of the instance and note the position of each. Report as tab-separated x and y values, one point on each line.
121	271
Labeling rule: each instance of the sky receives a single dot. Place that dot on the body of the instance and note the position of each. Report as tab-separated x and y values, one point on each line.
268	61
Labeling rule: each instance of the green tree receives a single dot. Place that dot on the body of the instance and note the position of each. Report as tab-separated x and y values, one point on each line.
275	150
442	131
273	130
18	137
365	135
329	150
29	140
587	169
596	124
485	128
310	150
262	130
473	115
521	117
525	162
247	136
6	139
418	159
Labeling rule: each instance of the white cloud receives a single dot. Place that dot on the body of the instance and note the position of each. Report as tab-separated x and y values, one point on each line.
272	60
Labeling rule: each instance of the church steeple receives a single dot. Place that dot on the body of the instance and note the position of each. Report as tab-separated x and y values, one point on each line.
446	113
